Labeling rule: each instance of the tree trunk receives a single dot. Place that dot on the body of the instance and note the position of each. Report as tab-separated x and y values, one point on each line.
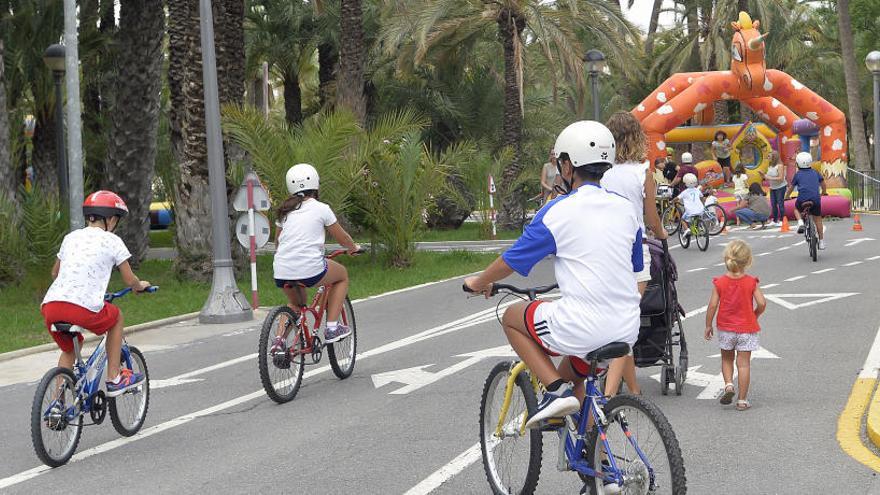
350	84
326	72
8	173
43	158
652	27
97	19
859	145
510	26
292	100
132	148
693	27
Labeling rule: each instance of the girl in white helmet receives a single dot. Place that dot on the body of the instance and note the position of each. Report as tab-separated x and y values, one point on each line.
597	242
299	257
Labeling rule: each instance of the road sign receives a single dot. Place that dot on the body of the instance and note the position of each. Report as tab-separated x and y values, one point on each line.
416	377
811	299
261	197
261	230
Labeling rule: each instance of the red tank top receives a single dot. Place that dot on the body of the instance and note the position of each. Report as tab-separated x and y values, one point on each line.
736	312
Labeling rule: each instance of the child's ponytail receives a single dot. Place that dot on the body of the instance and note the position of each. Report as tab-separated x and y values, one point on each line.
293	203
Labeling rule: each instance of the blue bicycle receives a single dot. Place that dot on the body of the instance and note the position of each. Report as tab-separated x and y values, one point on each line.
64	396
619	445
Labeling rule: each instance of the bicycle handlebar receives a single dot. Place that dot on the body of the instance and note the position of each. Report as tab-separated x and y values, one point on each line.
340	252
516	290
116	295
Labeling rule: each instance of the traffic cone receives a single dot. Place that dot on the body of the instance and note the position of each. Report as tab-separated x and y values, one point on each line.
784	227
857	226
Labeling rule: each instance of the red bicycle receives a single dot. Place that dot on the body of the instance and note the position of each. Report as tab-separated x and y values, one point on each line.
285	347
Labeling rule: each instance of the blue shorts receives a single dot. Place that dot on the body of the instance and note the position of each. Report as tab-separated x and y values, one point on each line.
305	282
816	210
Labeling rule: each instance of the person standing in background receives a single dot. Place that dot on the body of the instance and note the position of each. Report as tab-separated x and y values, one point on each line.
548	178
721	151
775	175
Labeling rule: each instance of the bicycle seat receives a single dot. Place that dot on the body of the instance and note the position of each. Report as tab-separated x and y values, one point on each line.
609	351
806	205
66	328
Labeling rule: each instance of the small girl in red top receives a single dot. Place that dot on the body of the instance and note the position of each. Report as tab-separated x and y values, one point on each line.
732	296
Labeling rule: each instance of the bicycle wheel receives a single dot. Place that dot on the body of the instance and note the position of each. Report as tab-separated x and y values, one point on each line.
281	363
129	410
702	235
55	426
683	238
342	353
512	461
671	219
716	219
651	431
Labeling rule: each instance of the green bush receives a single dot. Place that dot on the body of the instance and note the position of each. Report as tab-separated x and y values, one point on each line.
12	247
43	226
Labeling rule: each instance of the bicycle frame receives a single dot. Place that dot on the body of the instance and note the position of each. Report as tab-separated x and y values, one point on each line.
88	374
591	410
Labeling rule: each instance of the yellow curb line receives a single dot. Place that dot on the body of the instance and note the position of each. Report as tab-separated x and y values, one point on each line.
873	421
849	424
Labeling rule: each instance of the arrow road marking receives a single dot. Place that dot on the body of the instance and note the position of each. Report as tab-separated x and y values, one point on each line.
780	299
853	242
711	384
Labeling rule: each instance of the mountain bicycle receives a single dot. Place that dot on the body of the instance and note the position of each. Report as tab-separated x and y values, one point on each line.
64	396
810	233
622	444
696	227
286	347
670	211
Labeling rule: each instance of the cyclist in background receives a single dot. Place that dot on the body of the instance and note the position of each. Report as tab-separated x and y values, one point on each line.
809	182
692	199
686	167
597	242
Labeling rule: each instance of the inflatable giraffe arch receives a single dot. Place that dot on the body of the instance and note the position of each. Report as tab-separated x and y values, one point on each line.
776	98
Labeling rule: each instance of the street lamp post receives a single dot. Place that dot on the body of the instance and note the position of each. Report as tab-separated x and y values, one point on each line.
54	59
872	61
225	304
595	62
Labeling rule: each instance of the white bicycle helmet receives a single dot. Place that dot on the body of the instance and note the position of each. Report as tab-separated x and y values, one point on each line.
586	142
302	177
690	180
687	157
804	159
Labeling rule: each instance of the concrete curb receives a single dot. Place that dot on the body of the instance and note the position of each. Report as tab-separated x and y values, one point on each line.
90	337
872	423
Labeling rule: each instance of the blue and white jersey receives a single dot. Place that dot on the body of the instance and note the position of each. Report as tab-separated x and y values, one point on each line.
597	242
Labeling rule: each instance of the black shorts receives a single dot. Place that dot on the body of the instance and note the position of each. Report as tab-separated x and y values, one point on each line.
724	162
815	210
306	282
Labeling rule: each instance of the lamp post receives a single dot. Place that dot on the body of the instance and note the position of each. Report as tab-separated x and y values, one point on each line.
53	57
872	61
595	61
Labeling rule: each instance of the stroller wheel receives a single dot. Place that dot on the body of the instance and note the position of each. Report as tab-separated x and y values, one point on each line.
665	379
679	381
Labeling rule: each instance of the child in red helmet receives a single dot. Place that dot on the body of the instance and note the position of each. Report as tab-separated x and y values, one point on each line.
82	272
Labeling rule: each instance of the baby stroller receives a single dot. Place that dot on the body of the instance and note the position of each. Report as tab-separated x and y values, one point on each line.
661	329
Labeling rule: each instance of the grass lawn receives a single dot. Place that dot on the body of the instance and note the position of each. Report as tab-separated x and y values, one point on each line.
161	238
21	324
467	232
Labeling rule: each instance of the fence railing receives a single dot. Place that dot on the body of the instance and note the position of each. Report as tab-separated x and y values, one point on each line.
865	188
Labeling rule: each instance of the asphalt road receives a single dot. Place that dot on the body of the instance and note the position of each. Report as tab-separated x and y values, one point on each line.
215	430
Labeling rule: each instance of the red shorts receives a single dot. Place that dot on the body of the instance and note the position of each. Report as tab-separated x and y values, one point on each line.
580	366
97	323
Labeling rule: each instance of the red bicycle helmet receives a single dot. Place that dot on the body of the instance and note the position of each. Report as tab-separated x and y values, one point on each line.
104	204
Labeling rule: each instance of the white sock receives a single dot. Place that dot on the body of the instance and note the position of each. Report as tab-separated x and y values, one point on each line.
800	222
116	380
332	324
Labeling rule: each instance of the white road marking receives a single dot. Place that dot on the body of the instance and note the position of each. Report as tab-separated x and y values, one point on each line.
768	286
824	271
171	382
783	248
853	242
799	243
853	263
761	353
414	287
445	473
792	279
711	384
695	312
872	258
719	264
697	269
768	237
780	299
872	362
764	254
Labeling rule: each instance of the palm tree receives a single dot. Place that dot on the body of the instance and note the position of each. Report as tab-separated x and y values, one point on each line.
352	60
652	27
8	175
135	117
282	32
853	98
556	28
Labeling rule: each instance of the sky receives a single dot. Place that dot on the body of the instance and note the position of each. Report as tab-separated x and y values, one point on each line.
640	14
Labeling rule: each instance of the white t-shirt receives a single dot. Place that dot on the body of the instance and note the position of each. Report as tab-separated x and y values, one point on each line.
300	252
628	180
598	246
740	188
692	200
87	257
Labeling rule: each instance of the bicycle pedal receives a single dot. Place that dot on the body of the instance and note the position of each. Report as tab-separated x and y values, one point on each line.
552	424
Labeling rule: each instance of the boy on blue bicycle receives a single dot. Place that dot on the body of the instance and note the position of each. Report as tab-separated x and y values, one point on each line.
597	243
811	187
81	273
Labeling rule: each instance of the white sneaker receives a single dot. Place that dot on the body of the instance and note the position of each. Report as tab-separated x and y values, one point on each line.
822	244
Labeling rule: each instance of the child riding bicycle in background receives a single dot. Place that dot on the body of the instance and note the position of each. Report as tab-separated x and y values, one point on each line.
597	242
809	182
732	296
81	273
692	199
299	258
